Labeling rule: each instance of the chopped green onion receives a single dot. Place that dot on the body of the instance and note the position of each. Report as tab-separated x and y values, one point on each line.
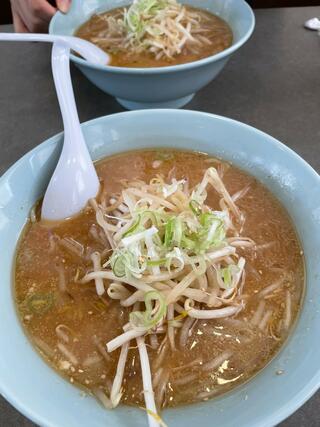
195	207
177	231
151	263
206	219
139	14
118	265
124	262
173	232
212	232
168	234
227	274
188	243
134	227
145	319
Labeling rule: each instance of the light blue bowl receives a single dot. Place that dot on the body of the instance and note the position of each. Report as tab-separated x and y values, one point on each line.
37	391
163	87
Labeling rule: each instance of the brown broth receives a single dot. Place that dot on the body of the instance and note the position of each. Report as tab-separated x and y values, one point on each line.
87	316
219	33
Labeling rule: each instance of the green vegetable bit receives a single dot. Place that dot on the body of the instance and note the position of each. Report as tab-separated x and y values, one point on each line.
124	262
40	303
134	228
195	207
227	273
145	319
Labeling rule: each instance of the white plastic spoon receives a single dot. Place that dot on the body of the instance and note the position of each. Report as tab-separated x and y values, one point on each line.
86	49
74	180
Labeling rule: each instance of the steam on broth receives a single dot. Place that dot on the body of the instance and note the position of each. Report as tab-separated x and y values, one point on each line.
183	262
156	33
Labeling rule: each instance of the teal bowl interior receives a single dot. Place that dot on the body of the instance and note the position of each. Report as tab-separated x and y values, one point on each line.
37	391
161	86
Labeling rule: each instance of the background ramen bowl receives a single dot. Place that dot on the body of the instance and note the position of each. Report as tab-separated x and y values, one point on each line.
37	391
164	87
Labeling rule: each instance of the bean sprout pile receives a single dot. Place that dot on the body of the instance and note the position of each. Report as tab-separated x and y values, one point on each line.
171	258
161	28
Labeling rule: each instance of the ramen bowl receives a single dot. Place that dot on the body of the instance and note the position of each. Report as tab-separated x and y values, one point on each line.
43	396
161	87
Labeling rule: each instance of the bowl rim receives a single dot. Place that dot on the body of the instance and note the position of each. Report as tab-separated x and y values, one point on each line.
302	394
170	68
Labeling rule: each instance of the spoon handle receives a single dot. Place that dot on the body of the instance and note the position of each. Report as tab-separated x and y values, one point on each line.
63	85
87	50
74	146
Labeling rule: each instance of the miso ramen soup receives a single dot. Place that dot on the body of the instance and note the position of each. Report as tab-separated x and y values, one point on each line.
183	278
157	33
